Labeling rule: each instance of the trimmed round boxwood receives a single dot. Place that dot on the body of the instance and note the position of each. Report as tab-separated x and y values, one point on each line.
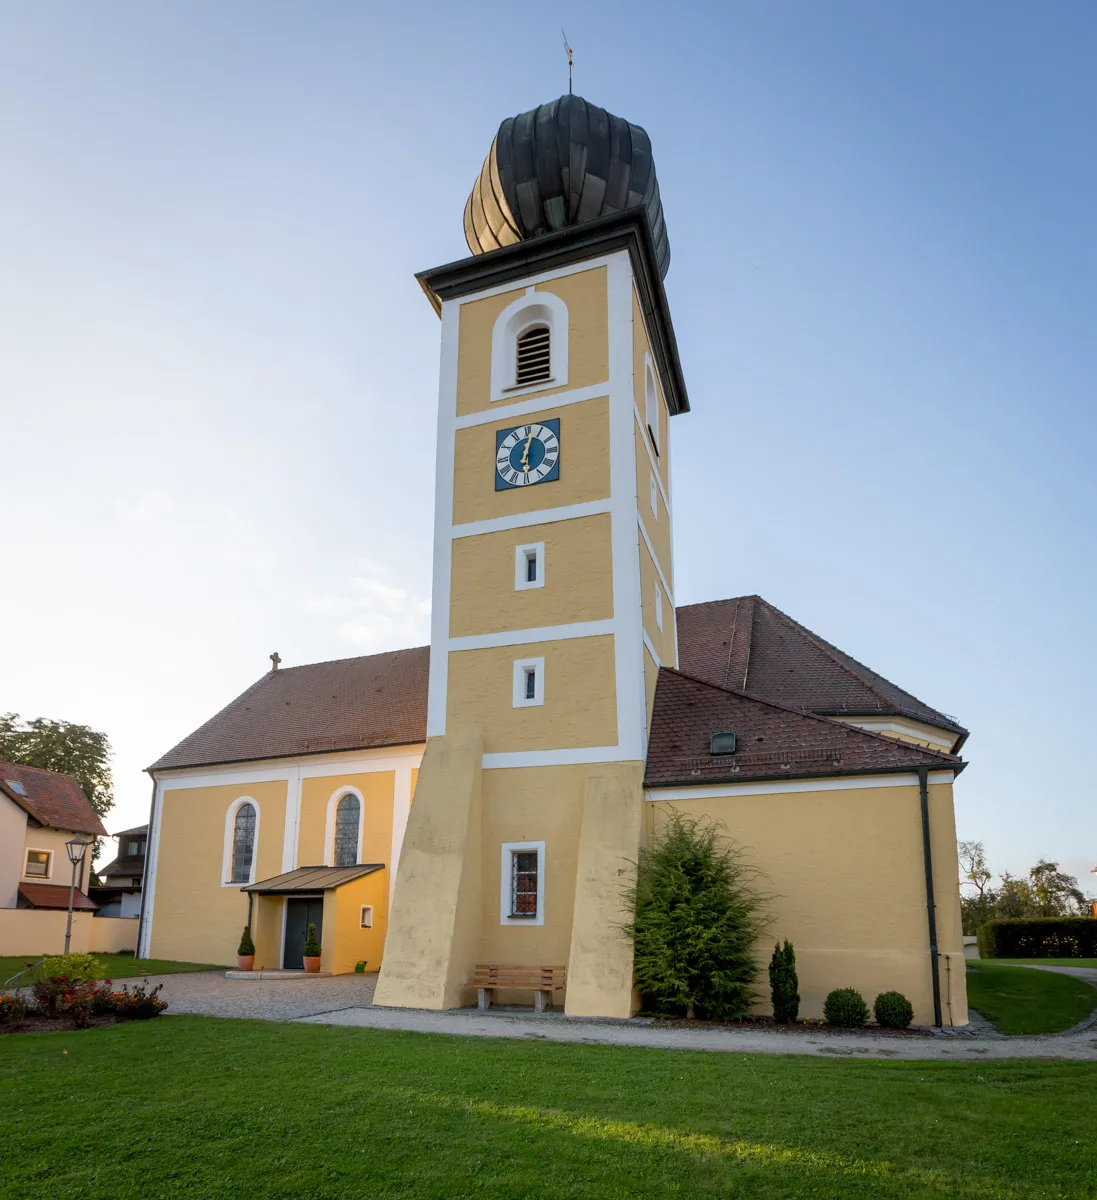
892	1010
846	1008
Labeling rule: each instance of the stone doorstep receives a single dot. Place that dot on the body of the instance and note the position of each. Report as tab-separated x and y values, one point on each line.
283	975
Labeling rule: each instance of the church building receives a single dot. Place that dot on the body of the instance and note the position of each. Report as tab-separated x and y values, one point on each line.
483	800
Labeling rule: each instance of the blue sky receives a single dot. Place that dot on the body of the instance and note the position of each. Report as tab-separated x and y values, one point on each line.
214	356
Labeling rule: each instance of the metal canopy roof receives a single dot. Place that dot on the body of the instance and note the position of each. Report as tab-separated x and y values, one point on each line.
311	879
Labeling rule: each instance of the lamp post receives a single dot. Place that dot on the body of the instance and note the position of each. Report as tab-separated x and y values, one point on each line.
76	848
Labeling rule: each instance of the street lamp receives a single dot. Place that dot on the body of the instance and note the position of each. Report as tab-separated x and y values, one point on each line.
76	848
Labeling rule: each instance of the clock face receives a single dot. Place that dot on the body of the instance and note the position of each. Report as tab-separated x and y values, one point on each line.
527	454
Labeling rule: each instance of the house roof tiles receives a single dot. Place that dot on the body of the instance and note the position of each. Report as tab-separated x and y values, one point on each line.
53	895
52	798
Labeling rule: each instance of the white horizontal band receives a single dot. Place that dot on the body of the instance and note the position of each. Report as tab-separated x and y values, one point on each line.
543	516
546	633
521	408
555	758
310	767
655	560
773	787
651	649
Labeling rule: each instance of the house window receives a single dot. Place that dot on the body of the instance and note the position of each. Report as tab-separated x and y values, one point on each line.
134	847
529	566
348	815
529	682
522	884
529	345
366	918
533	356
38	864
243	843
651	405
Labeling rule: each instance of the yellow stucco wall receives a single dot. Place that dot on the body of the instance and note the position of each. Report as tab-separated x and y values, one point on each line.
658	529
661	639
195	918
53	841
584	292
580	707
34	932
268	917
846	876
584	464
377	788
350	942
640	347
578	578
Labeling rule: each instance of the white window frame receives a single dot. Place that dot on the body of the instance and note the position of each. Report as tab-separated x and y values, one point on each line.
230	822
521	666
651	403
659	607
28	851
533	308
510	848
653	495
522	555
365	917
329	826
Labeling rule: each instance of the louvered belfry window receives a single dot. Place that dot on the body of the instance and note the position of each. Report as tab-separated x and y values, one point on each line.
534	359
243	843
346	831
523	883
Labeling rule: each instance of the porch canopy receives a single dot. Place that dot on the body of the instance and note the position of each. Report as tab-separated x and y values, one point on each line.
311	879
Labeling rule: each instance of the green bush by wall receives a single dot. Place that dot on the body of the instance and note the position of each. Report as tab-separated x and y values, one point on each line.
1039	937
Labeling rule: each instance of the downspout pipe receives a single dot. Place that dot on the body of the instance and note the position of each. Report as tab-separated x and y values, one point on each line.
931	907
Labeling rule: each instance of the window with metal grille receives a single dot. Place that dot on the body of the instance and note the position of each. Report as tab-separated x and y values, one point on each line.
533	363
243	843
523	883
347	816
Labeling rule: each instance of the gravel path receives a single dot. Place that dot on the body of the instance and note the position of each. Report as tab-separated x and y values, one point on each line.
210	994
554	1027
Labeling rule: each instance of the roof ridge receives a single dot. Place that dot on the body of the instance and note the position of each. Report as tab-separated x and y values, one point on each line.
810	716
41	770
327	662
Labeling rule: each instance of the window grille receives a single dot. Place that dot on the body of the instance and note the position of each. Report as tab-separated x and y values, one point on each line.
346	831
533	358
523	883
243	843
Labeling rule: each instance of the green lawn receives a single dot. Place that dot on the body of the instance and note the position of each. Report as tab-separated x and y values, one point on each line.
115	966
1019	1000
1045	962
205	1108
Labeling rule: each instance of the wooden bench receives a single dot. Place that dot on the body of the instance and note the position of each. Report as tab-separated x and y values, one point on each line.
541	981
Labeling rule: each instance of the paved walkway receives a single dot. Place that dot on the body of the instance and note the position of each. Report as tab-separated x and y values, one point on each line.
348	1000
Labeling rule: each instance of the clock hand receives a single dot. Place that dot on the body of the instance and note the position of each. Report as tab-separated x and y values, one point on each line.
525	452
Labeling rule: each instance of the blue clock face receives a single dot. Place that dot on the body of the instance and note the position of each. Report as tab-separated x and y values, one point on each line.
527	454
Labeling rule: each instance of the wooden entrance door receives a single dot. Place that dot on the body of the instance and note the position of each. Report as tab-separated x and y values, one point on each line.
300	914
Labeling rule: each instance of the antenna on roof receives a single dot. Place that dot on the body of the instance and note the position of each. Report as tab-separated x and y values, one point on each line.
275	659
567	51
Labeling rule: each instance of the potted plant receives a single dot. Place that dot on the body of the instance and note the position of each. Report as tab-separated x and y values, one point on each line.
245	952
311	953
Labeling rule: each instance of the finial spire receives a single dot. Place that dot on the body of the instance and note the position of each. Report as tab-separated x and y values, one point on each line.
275	660
567	51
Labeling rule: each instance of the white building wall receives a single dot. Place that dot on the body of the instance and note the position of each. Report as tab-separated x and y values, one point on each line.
13	830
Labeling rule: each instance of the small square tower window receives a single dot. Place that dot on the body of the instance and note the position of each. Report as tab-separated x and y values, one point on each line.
529	682
366	918
529	566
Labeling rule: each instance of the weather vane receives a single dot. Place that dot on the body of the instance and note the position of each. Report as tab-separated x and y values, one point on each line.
567	51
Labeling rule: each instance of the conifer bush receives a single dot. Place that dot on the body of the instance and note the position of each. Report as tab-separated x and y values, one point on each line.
312	943
784	984
846	1008
892	1010
247	946
696	916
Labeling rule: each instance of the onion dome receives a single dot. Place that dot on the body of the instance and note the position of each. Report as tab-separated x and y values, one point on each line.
559	165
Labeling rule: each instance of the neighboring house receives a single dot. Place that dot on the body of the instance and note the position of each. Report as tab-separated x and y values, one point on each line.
39	812
119	892
565	704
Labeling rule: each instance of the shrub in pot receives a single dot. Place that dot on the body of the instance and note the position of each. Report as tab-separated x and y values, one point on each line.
892	1010
784	984
311	953
846	1008
245	952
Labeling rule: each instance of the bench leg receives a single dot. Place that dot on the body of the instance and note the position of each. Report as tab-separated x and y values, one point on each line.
483	999
542	1001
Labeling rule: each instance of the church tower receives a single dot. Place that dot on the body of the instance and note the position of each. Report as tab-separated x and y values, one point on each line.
553	599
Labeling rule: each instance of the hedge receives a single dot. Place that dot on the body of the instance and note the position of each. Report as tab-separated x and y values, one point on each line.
1039	937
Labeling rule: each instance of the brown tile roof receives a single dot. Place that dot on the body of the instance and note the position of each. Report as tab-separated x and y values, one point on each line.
348	704
51	798
750	646
123	866
772	742
52	895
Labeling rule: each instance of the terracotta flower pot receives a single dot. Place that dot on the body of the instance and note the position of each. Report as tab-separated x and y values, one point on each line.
244	962
312	965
